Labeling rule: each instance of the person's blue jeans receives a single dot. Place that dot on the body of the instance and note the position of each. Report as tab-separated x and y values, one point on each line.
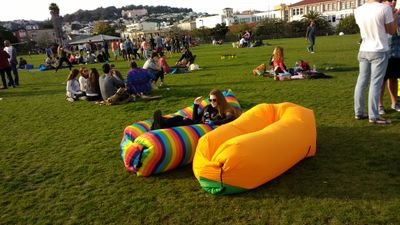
372	70
311	39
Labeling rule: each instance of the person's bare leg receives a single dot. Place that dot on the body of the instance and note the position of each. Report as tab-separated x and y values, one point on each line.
381	108
392	86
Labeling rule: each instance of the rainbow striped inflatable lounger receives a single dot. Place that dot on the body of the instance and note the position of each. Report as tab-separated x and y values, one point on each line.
147	152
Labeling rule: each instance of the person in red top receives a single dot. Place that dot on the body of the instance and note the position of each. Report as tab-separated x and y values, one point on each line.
277	62
115	49
5	68
163	63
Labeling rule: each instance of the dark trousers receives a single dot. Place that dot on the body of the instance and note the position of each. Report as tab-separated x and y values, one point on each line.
158	75
15	72
94	98
64	59
312	43
3	73
177	121
136	54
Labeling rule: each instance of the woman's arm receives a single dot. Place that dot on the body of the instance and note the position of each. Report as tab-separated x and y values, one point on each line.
73	89
228	118
196	115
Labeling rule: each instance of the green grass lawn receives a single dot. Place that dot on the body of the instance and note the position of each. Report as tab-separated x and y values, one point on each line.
60	162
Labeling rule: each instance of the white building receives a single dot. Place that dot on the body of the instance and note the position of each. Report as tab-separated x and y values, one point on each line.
332	10
134	13
142	26
187	26
229	18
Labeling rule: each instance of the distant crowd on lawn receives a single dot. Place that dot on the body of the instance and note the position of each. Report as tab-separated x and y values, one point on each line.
139	48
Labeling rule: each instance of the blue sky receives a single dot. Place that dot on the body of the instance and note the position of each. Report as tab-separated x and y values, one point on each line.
38	9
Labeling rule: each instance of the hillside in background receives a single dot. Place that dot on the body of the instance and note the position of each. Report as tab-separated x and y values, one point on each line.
113	13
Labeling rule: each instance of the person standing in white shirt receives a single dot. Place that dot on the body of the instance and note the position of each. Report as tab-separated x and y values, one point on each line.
375	21
13	61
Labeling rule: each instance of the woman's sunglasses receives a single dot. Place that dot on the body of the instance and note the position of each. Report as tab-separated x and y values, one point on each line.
212	99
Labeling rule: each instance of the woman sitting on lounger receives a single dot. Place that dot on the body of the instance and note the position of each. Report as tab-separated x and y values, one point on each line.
218	112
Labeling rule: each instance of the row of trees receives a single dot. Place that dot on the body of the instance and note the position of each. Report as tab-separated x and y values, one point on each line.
113	13
276	28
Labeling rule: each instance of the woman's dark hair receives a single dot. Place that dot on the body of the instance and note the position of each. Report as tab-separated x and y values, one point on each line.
134	65
106	68
154	54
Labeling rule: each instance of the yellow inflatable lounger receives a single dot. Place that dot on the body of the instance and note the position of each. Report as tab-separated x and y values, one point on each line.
260	145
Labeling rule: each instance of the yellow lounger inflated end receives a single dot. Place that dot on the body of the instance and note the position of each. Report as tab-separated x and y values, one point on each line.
257	147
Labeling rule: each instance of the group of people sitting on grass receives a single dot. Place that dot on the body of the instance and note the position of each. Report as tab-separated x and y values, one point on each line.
278	70
113	89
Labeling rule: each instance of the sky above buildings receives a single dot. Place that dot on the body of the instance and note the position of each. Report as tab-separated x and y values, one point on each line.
38	9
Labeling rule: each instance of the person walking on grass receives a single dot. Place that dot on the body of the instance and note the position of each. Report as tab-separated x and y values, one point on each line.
12	60
63	52
373	56
310	35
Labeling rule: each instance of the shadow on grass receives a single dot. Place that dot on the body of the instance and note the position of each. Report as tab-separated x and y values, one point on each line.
337	67
357	168
35	92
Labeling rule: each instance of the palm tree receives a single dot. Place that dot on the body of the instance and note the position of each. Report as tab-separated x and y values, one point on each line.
56	19
312	16
54	10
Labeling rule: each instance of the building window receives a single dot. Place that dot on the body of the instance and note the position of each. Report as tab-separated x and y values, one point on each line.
333	6
301	11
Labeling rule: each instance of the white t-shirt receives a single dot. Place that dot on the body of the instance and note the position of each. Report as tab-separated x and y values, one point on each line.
83	83
10	51
371	19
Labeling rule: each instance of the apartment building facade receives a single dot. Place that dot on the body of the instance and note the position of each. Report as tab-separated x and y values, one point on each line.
332	10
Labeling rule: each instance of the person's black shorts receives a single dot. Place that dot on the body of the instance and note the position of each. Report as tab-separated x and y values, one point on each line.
393	68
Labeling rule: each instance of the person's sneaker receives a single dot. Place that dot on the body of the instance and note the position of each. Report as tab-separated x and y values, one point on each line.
361	117
380	121
157	120
154	86
381	110
70	99
163	85
396	107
